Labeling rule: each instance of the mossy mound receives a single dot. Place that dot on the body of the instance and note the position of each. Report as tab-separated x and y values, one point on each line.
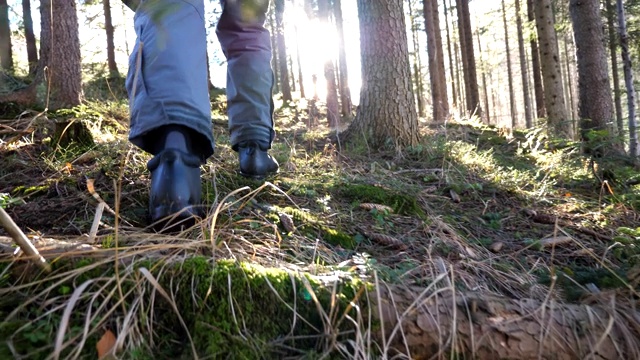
227	307
401	203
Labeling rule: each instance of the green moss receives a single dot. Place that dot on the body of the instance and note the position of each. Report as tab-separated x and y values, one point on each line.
401	203
311	225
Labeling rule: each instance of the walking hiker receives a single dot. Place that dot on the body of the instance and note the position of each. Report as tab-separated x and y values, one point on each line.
169	97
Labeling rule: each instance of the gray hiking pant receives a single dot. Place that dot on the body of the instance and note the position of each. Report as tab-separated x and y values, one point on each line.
167	77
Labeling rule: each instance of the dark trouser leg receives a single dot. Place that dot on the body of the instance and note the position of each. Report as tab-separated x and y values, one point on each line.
247	47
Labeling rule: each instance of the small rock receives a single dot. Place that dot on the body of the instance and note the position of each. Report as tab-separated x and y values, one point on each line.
496	246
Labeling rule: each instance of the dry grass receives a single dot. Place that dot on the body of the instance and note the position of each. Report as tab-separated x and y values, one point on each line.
126	279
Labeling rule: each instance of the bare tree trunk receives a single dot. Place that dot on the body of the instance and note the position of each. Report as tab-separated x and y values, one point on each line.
487	110
282	51
333	108
551	74
468	58
6	54
299	62
111	49
454	94
535	66
386	115
613	50
478	326
291	73
440	56
512	100
274	54
523	68
436	72
417	64
345	91
571	108
628	79
596	106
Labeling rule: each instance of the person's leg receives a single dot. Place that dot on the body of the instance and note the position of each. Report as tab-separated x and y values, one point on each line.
169	102
247	46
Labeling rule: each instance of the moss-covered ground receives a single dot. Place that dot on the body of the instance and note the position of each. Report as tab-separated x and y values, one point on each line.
276	269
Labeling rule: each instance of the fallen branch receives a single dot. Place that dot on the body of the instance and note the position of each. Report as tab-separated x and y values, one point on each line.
21	239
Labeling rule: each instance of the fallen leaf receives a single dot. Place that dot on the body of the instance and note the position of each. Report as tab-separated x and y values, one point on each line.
106	345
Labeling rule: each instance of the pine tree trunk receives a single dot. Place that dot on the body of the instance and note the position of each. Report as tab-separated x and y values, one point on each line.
468	58
111	49
523	68
442	79
436	73
595	104
569	86
299	62
454	94
487	110
417	63
32	49
6	54
613	50
628	79
343	71
274	54
291	73
551	74
333	108
60	50
386	115
282	51
478	326
512	100
538	90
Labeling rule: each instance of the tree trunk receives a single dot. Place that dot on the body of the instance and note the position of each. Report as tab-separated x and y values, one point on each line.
282	51
628	79
6	54
551	74
417	63
60	51
487	110
569	85
111	49
512	100
613	50
480	326
535	66
32	49
454	94
436	62
299	62
523	68
468	58
291	73
386	114
333	108
345	91
274	54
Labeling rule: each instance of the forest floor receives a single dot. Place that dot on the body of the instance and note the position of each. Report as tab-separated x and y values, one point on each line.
519	216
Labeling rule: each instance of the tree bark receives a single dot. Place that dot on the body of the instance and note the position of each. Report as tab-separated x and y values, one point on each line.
628	79
274	54
436	62
111	49
615	77
282	51
386	115
454	94
487	110
333	108
32	49
468	58
595	105
343	71
417	63
512	100
480	326
551	74
528	117
303	95
535	66
6	54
